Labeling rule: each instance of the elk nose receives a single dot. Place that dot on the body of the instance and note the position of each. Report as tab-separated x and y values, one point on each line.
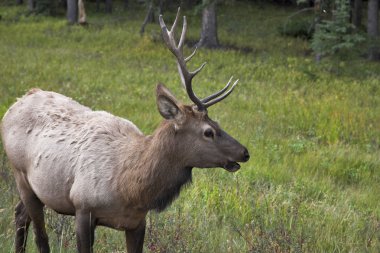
246	155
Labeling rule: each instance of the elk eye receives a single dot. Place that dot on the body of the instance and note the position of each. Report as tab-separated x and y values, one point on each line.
209	133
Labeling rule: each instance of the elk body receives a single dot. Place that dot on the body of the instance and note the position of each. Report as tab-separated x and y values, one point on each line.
100	167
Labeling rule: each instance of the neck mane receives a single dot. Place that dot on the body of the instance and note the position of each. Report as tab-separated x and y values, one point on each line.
154	169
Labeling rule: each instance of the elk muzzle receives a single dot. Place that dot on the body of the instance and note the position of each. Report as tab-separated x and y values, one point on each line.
232	165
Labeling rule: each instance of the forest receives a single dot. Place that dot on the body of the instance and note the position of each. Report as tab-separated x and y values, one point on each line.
307	107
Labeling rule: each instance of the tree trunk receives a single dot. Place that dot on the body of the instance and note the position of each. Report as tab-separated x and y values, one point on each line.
209	36
148	18
373	29
72	11
31	5
81	13
357	13
19	2
109	6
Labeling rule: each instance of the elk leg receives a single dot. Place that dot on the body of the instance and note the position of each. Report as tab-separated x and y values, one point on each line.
85	231
35	210
22	222
135	238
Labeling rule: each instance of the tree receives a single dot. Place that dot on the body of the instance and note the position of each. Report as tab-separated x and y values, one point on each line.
336	34
72	11
81	13
150	14
76	12
373	29
209	35
31	5
149	17
357	13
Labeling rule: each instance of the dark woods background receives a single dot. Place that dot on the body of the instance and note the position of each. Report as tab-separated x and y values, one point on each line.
332	26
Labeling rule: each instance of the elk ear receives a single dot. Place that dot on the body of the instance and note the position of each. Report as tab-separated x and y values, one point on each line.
167	104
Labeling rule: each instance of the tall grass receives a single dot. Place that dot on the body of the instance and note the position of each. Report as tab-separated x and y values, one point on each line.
313	130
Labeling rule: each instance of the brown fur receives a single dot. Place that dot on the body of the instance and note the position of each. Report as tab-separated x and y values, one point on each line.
156	182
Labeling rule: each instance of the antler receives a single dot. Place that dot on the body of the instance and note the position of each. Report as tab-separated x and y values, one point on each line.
186	75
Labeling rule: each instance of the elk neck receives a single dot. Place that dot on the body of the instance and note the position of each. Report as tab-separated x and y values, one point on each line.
154	169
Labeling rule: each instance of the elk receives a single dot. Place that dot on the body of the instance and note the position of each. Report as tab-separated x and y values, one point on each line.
101	168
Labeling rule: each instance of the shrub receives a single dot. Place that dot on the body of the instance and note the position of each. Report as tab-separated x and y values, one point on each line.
298	27
332	36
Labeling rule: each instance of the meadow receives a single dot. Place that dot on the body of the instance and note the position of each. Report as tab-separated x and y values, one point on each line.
313	129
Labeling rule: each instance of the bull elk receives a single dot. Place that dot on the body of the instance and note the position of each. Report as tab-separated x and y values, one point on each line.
101	168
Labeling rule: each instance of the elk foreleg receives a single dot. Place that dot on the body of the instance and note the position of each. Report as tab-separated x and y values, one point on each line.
22	222
135	238
85	231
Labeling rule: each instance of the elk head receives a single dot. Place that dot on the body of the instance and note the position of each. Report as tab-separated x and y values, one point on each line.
207	144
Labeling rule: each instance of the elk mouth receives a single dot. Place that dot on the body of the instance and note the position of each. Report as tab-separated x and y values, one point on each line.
231	166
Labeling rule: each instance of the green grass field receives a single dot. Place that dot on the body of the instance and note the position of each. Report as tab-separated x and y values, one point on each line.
313	130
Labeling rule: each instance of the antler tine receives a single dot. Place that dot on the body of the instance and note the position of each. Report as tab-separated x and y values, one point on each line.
174	26
217	94
195	72
183	34
165	33
210	103
192	54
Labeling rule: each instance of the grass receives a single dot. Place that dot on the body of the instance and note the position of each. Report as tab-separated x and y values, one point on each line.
313	130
